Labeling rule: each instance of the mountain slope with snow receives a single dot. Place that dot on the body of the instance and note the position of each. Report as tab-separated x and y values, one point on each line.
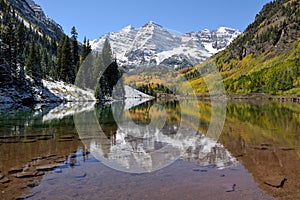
153	44
33	15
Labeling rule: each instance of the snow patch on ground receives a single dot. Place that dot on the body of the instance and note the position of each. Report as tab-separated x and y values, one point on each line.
68	92
133	93
49	91
135	97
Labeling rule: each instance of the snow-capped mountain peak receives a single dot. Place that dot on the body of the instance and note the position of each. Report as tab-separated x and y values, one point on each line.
152	24
127	29
155	38
153	44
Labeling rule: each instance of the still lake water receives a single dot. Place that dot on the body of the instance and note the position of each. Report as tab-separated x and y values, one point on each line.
156	150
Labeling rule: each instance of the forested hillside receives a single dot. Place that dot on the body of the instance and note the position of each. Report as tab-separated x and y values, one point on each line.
265	58
33	47
28	51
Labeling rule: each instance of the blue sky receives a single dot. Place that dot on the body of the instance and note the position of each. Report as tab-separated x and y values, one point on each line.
93	18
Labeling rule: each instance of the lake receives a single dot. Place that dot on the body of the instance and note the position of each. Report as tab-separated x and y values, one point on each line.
183	149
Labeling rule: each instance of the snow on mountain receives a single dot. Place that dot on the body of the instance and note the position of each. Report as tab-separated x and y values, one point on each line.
155	38
153	44
217	40
120	41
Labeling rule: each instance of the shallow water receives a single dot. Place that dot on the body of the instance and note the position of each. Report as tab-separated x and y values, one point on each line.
156	150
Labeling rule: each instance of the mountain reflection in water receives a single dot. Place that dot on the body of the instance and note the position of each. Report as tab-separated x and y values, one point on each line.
133	146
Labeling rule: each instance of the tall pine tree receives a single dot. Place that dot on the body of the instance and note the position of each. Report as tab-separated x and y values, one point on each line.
66	71
33	68
20	77
75	49
65	67
45	63
86	49
59	58
107	54
85	78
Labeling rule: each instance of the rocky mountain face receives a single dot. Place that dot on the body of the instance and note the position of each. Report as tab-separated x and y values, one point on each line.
32	13
153	44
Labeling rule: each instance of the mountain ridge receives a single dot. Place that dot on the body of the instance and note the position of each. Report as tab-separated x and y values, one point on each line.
33	15
152	44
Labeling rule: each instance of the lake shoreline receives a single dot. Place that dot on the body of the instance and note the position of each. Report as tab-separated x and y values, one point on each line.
251	96
263	96
57	92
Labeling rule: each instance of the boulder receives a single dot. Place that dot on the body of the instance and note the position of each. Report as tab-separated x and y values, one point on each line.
47	167
28	174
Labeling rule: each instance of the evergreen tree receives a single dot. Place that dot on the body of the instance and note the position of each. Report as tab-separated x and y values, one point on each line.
12	34
59	57
65	67
98	67
51	67
107	54
45	63
67	73
86	49
33	68
110	77
75	49
21	42
5	70
84	77
8	39
20	78
53	47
